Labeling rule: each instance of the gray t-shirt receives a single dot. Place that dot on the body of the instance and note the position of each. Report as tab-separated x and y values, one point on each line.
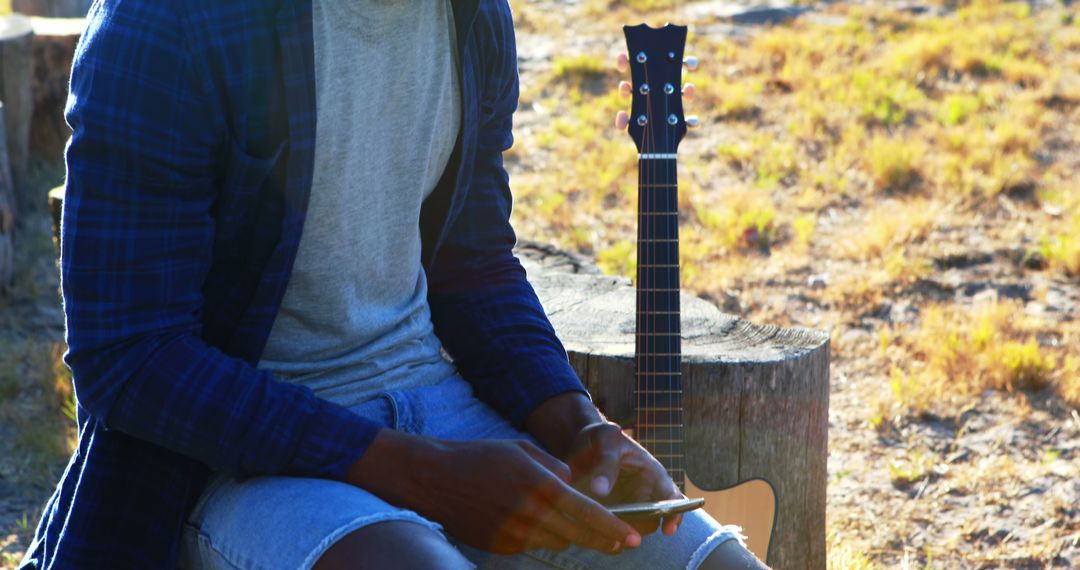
355	319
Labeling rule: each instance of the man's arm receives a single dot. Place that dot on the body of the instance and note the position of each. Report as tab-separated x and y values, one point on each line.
490	320
484	310
136	248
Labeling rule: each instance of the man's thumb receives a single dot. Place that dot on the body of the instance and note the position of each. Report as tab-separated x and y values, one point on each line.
605	474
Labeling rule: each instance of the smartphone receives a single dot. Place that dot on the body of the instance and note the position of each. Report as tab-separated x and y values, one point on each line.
654	509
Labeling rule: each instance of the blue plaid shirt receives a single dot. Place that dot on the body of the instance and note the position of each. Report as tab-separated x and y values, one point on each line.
189	169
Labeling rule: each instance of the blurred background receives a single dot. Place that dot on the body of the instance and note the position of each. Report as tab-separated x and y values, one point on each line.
904	175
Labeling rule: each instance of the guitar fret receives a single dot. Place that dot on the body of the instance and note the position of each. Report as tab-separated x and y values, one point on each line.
659	354
659	373
658	213
659	265
658	289
646	185
658	334
655	240
643	392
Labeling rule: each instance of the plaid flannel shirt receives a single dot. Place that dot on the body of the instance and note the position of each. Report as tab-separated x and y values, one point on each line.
189	169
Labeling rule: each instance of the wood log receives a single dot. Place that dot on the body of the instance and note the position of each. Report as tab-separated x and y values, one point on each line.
53	48
52	8
755	399
7	214
56	208
16	32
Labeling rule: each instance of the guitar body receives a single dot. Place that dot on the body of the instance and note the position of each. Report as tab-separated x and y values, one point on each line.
657	125
750	504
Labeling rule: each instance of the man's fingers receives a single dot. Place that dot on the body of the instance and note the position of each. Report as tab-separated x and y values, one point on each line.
671	524
589	514
645	526
540	537
607	448
666	489
605	472
550	462
575	532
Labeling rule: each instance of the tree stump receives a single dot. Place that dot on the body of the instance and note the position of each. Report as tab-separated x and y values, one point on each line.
52	8
53	48
15	38
756	397
7	214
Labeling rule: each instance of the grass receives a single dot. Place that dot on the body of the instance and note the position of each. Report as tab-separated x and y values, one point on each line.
36	399
1060	246
958	354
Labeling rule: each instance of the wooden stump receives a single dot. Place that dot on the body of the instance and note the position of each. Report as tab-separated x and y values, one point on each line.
52	8
53	48
56	208
756	397
7	214
15	38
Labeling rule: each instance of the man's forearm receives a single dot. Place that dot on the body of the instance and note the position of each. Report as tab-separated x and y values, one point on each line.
555	422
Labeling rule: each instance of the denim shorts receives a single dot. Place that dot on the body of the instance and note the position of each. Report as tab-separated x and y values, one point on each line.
275	522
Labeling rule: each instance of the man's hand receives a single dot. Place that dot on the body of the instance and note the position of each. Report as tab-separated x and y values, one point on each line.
616	469
500	496
604	462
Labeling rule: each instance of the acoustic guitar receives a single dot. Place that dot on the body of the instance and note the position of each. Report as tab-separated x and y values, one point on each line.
657	124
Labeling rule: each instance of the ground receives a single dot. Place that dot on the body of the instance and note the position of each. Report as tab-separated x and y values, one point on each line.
902	175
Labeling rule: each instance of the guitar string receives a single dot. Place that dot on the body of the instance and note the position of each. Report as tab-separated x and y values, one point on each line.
644	166
639	397
675	313
669	180
650	258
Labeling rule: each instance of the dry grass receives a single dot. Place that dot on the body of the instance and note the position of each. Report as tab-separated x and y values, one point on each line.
958	353
37	428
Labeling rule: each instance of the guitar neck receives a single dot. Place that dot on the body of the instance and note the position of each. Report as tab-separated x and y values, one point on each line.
658	354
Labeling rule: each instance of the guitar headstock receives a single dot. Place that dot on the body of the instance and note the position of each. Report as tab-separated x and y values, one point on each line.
656	120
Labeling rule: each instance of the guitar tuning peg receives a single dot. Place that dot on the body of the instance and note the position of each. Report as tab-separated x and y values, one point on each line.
622	119
622	61
693	121
691	63
688	91
624	89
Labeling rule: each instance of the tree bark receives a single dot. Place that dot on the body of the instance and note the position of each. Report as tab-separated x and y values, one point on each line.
755	397
53	48
52	8
15	38
7	214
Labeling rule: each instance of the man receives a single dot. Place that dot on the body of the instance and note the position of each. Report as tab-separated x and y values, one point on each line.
279	214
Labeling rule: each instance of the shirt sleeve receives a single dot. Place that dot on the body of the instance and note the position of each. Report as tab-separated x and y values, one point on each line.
136	245
484	310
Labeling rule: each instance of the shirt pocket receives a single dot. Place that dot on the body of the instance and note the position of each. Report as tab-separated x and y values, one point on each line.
242	187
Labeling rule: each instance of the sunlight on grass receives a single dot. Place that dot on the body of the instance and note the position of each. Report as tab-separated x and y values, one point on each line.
888	226
844	556
959	353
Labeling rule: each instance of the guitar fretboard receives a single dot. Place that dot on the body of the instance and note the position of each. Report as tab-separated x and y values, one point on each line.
659	422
